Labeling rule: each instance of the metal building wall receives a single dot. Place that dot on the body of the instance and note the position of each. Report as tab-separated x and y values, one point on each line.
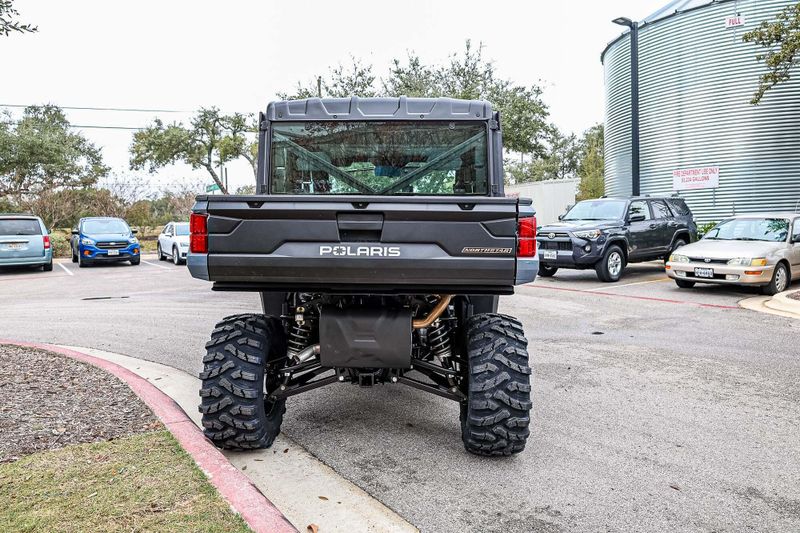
696	81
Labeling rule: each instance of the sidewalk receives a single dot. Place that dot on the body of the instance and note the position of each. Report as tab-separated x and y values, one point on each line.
305	490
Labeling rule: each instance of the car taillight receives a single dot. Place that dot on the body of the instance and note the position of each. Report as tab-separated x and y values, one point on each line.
46	241
198	227
526	237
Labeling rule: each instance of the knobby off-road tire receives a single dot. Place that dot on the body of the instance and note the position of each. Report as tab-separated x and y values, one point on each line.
236	415
495	418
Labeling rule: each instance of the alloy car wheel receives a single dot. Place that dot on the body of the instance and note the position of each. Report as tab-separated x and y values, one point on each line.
176	257
614	263
160	253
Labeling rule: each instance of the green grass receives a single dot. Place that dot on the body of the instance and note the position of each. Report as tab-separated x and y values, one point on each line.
143	482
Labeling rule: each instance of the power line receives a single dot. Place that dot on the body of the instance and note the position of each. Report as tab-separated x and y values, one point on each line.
125	109
95	126
122	109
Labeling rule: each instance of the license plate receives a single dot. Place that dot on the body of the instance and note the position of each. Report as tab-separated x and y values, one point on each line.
15	246
704	272
113	252
550	254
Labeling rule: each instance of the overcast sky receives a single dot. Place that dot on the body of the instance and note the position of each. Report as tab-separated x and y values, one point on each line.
183	54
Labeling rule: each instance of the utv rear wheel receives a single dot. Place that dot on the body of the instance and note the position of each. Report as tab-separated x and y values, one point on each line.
236	412
547	271
496	415
610	268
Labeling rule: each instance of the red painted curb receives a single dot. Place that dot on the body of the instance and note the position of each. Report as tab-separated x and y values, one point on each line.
244	497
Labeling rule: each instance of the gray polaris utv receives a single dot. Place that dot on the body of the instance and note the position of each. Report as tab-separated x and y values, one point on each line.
379	239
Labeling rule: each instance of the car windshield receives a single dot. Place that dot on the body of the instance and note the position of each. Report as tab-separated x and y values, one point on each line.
750	229
20	226
181	229
105	225
379	158
597	210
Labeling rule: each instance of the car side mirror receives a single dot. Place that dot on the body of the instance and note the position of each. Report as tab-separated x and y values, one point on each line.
561	217
75	232
636	217
134	231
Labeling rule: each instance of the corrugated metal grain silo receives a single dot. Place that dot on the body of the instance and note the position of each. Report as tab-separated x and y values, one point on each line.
696	79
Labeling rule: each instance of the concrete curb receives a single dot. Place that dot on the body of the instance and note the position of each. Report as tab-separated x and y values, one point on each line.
780	305
244	498
782	302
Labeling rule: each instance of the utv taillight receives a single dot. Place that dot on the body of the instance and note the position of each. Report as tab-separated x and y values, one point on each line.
526	237
198	227
46	241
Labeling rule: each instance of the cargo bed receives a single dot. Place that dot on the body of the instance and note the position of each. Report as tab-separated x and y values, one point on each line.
360	244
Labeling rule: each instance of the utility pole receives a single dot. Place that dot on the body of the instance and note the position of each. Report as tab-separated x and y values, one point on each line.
634	27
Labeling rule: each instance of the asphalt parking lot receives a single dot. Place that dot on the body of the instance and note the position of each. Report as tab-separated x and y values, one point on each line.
655	408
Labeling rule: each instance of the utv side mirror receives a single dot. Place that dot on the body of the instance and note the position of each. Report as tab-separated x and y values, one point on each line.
75	232
636	217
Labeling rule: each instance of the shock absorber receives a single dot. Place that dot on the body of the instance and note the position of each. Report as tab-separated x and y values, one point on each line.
299	334
439	339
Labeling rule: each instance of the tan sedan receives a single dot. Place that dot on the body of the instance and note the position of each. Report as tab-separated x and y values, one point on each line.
761	250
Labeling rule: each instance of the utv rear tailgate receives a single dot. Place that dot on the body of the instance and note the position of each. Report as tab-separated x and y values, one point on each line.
360	244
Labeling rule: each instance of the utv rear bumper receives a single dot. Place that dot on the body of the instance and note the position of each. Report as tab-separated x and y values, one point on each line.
391	275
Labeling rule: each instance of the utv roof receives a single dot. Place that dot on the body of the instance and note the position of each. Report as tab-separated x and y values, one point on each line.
401	108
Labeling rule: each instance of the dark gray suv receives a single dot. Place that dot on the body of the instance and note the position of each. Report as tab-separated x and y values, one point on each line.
607	233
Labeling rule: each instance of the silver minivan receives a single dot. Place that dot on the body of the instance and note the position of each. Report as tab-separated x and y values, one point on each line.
24	241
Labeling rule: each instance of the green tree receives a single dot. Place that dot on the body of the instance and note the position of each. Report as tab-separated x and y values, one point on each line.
559	159
591	165
356	79
41	153
781	38
466	75
211	139
8	23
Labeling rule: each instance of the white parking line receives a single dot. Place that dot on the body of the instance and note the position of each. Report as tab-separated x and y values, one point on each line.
155	265
65	269
606	287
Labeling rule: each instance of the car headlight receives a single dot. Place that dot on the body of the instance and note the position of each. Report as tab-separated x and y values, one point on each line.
87	241
678	258
133	240
591	234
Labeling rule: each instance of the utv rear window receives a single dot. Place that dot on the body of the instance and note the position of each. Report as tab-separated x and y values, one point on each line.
20	226
378	158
